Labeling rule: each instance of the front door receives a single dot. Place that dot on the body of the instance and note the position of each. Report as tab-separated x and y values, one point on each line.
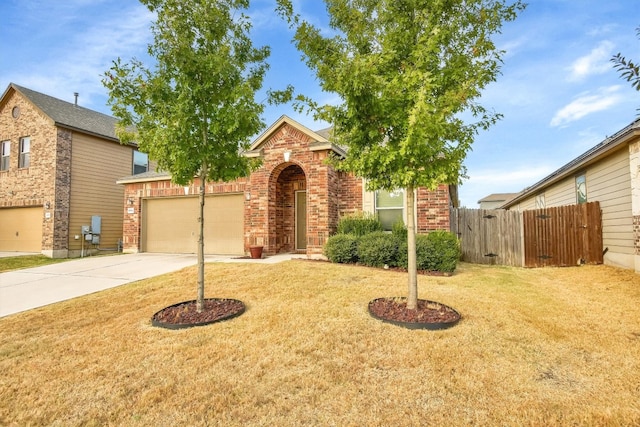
301	220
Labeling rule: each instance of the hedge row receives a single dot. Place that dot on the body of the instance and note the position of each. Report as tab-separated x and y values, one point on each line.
436	251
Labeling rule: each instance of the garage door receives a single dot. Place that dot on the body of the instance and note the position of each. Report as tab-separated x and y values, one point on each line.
170	225
21	229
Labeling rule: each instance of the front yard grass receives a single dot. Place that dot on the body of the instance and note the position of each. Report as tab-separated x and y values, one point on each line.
539	347
27	261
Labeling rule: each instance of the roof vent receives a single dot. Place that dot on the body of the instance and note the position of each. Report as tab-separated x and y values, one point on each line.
75	94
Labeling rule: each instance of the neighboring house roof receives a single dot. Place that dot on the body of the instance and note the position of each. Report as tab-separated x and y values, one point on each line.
601	150
498	197
145	177
68	115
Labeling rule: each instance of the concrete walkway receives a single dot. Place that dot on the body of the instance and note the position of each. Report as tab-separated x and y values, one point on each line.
29	288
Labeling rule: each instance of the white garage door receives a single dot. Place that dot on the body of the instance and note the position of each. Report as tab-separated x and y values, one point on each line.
170	225
21	229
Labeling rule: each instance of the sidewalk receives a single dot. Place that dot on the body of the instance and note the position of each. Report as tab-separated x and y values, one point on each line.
22	290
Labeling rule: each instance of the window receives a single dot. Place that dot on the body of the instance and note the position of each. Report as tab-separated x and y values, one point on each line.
389	207
5	152
540	202
140	162
25	152
581	189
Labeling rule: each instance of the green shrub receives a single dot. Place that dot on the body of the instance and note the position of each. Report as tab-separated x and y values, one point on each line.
446	250
437	251
378	249
342	248
399	230
359	224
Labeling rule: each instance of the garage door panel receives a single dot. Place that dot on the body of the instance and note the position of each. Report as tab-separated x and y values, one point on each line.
21	229
171	225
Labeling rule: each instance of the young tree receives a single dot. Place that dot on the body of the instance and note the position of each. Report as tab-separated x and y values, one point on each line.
194	111
406	71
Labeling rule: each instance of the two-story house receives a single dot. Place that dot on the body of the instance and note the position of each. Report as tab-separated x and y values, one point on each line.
59	163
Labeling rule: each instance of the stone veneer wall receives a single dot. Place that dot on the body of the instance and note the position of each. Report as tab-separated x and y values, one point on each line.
60	232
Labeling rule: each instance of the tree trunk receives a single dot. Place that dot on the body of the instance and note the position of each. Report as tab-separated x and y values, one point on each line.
200	299
412	299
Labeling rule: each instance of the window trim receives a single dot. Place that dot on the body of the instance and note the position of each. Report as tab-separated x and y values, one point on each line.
24	157
581	179
134	164
401	208
5	164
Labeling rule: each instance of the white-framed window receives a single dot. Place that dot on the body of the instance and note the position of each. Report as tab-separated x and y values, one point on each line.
581	188
5	155
140	162
24	159
540	202
389	207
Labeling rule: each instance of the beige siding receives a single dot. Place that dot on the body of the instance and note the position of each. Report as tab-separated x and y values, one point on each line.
609	182
95	167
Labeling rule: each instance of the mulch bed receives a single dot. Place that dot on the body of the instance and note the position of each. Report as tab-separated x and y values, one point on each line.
428	314
185	314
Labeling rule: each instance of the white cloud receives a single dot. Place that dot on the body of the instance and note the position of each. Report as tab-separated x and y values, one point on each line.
587	103
596	62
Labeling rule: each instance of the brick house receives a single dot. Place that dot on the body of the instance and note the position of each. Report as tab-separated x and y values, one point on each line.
59	163
292	203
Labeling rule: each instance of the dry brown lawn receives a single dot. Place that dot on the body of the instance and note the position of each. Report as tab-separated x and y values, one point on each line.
536	347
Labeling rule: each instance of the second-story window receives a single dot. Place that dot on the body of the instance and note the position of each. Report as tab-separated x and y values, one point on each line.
140	162
25	152
5	155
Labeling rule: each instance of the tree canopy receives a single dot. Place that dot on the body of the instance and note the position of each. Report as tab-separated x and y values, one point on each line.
195	110
407	72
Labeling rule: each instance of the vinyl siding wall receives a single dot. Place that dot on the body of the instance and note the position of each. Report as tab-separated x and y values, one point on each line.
95	166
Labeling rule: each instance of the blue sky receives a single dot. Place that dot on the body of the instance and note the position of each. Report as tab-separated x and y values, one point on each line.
558	91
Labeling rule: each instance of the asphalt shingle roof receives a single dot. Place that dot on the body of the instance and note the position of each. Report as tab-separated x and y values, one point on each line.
69	115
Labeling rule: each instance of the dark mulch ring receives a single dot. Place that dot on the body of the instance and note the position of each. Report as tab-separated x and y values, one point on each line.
185	314
428	315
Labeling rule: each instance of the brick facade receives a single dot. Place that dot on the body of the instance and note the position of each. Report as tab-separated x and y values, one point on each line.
269	215
35	185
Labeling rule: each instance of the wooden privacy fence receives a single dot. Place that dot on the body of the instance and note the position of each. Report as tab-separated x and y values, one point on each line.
560	236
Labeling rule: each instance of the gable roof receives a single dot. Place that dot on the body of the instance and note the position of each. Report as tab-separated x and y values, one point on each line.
320	138
68	115
604	148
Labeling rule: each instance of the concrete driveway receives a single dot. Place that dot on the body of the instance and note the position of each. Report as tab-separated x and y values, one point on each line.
29	288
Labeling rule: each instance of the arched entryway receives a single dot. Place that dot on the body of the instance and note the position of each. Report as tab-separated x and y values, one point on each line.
288	209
